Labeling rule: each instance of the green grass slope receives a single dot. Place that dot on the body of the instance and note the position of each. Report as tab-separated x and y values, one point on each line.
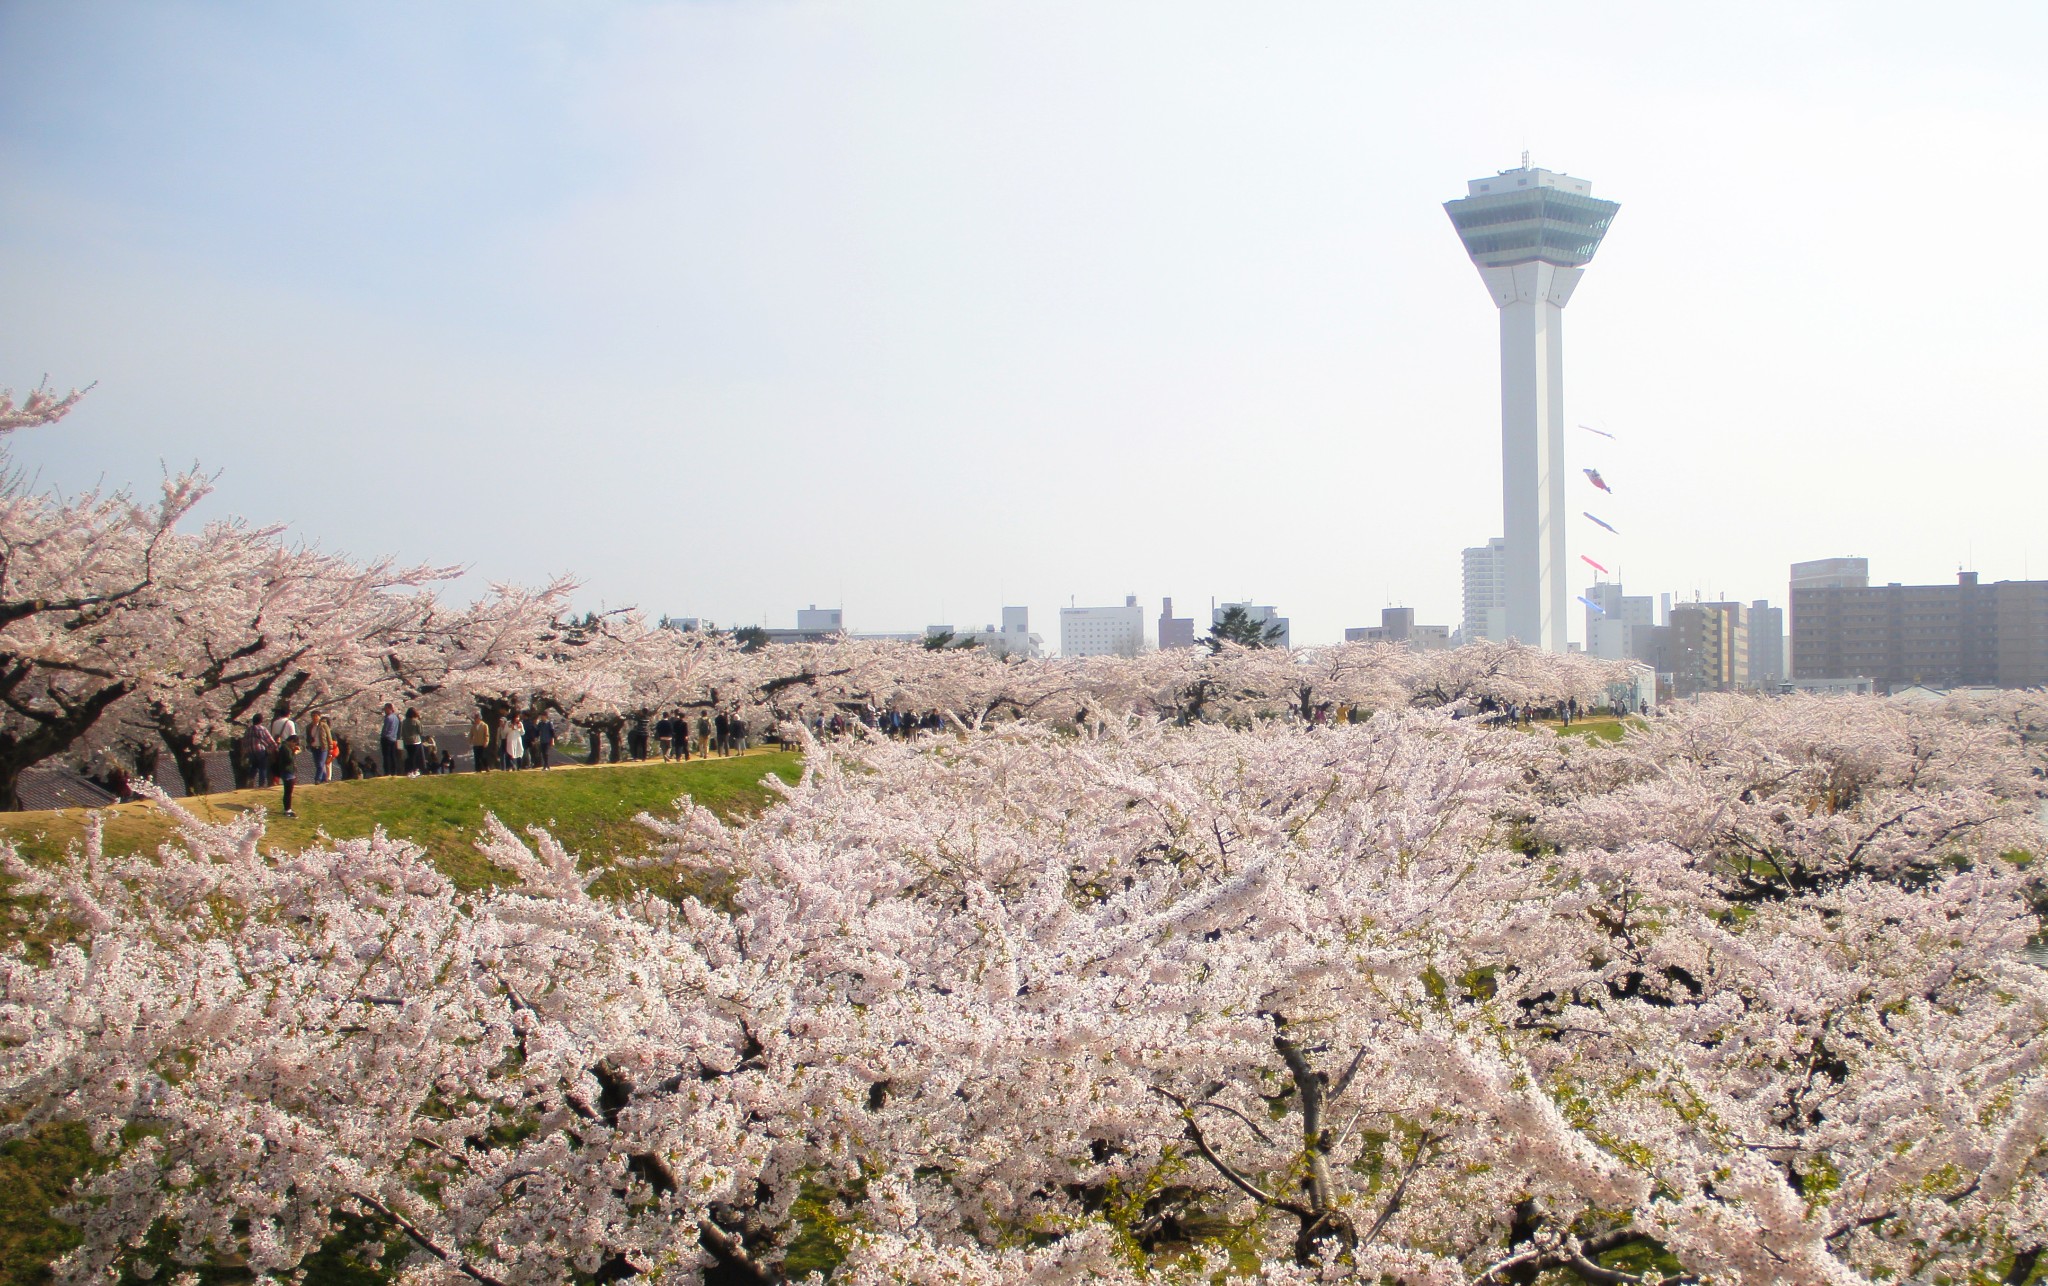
591	809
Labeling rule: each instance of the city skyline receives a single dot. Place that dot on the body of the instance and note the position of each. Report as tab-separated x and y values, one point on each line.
1162	289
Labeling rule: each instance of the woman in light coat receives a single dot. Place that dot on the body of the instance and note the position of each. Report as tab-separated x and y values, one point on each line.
513	738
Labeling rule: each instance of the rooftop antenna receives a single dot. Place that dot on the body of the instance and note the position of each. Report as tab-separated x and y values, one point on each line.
1525	158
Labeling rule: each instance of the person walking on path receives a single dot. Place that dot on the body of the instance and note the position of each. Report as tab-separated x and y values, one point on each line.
513	740
665	736
257	744
320	740
704	734
387	740
288	769
480	743
543	740
409	733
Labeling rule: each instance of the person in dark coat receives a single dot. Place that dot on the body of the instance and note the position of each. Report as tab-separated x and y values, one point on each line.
387	740
542	740
410	733
288	770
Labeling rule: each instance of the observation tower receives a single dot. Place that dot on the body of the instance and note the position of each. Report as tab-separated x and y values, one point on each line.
1531	232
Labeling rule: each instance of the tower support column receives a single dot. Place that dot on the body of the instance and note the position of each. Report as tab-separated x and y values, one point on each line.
1535	520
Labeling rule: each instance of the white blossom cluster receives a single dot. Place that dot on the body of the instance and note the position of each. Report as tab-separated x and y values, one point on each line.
1741	998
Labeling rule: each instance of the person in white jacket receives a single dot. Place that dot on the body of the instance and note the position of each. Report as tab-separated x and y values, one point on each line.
513	738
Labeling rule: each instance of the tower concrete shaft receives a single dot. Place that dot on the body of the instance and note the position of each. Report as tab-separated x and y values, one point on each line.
1530	232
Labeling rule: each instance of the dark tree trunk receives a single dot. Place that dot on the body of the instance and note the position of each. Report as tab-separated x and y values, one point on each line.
186	752
49	737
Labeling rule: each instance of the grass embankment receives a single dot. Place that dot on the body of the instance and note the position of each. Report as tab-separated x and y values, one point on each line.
590	810
1596	727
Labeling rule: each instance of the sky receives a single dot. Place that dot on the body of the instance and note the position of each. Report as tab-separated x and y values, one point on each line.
920	309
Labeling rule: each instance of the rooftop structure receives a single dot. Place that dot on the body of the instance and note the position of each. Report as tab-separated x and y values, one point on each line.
1397	625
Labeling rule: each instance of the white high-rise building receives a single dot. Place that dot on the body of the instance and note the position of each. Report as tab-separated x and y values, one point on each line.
1103	631
1017	638
1618	625
1486	596
1013	639
1530	233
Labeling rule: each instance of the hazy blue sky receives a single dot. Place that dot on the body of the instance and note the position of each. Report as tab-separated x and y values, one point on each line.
924	308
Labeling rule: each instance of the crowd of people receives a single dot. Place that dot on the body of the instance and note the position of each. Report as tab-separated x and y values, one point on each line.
524	740
527	739
678	736
271	752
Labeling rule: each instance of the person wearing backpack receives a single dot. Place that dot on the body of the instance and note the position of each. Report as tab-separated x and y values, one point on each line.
257	743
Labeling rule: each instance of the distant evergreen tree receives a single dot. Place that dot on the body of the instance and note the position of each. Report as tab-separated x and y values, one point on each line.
1237	626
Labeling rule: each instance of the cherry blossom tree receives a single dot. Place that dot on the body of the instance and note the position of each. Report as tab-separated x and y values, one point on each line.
83	612
1740	998
261	628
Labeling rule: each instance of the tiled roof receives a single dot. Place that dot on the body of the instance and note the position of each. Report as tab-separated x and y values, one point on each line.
40	788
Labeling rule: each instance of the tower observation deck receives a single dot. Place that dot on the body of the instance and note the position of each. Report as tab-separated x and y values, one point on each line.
1531	232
